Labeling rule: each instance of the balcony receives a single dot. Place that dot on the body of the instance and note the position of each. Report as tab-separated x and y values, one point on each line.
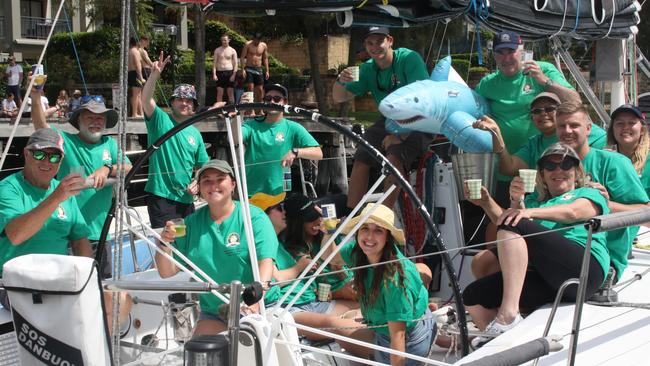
39	28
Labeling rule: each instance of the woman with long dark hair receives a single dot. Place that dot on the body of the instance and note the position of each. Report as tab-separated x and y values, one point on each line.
393	299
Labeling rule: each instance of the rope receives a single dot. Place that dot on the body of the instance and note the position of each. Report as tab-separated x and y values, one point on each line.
442	41
433	37
413	223
74	48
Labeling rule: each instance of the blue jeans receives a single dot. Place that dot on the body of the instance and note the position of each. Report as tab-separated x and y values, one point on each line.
418	340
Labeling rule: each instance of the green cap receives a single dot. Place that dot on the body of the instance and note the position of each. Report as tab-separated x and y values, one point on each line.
220	165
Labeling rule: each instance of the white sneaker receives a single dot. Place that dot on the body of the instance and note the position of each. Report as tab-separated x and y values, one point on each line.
494	329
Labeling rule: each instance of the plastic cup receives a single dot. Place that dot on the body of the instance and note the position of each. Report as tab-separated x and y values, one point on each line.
354	71
324	291
179	227
474	186
526	55
528	176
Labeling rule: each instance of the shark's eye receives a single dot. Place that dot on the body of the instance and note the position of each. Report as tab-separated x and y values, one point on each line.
416	100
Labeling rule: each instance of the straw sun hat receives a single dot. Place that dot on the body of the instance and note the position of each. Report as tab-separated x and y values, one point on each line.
382	216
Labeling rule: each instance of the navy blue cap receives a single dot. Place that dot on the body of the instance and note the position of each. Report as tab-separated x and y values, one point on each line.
377	30
507	39
630	108
277	87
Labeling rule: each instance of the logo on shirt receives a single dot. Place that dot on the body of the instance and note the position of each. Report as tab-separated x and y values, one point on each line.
191	140
60	213
232	240
279	137
527	88
106	155
567	196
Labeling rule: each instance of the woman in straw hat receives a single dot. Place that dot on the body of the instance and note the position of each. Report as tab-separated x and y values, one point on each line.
561	202
391	295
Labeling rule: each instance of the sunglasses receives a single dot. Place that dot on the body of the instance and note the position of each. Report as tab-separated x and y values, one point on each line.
566	164
88	98
279	207
274	98
41	155
549	109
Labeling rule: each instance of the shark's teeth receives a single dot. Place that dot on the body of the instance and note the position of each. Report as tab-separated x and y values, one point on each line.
410	120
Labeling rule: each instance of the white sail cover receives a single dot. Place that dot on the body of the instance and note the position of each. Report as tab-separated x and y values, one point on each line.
57	308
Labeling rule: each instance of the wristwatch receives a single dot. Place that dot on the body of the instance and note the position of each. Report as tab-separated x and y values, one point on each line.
110	168
295	151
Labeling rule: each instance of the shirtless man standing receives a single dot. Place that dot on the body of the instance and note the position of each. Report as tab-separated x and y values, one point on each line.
253	56
146	61
135	79
224	68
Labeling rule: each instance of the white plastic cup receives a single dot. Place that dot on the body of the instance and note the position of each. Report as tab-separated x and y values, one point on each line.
179	227
474	186
247	97
528	176
526	55
354	72
324	291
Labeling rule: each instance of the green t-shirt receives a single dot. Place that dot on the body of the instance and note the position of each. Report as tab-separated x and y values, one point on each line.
221	250
266	145
510	99
645	178
616	173
17	197
532	151
171	166
407	67
93	204
578	234
394	303
285	260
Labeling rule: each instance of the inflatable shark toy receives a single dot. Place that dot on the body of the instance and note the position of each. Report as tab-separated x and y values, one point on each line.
439	105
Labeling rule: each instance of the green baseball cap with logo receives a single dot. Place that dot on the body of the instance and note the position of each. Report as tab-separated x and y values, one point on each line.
220	165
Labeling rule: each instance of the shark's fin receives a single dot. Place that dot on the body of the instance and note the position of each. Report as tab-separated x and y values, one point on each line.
458	129
441	71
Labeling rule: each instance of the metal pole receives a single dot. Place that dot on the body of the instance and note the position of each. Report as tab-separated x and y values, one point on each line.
580	298
233	320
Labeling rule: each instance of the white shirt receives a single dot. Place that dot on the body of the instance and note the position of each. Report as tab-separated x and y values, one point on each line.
44	103
13	74
8	106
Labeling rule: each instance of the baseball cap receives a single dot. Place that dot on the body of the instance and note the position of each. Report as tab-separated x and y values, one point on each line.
220	165
301	207
185	91
264	201
377	30
559	148
630	108
277	87
547	95
97	106
77	92
507	39
45	138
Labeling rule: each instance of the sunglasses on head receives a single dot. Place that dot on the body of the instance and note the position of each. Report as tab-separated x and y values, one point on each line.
88	98
41	155
274	98
566	164
549	109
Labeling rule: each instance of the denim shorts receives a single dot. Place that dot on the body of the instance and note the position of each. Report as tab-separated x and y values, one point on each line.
321	307
418	340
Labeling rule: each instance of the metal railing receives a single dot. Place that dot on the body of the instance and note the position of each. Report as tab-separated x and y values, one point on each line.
38	28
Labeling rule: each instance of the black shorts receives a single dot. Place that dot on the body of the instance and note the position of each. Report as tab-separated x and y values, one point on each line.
553	259
254	75
223	79
146	71
133	80
409	150
162	210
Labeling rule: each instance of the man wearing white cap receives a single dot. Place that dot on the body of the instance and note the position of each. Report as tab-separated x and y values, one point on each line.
170	186
93	154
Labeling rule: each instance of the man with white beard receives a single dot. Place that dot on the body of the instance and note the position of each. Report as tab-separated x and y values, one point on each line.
93	155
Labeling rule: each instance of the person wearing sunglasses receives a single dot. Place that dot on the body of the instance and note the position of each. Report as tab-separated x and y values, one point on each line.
94	153
38	213
542	111
171	167
274	142
387	70
533	260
